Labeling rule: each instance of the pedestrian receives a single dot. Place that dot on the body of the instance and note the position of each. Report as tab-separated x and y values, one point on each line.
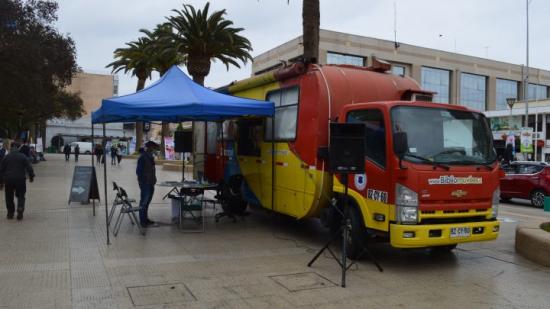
2	152
13	171
118	155
146	179
98	152
67	152
113	155
76	152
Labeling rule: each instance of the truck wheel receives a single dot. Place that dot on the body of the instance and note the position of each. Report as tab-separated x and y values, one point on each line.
505	199
537	198
356	233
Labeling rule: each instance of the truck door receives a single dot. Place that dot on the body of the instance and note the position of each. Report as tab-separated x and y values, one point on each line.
375	184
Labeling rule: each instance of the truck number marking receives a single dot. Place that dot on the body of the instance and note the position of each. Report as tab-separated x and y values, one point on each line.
376	195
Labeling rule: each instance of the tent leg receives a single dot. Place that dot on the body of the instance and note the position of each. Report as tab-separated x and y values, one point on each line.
223	153
105	187
93	165
273	162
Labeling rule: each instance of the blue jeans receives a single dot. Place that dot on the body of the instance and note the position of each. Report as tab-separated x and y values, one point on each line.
146	196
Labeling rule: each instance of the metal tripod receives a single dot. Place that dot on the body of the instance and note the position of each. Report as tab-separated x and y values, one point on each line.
344	230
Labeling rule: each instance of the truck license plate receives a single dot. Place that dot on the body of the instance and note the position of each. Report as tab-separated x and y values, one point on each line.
460	232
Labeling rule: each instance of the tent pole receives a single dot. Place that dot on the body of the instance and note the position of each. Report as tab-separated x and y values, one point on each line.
93	166
273	162
223	153
105	187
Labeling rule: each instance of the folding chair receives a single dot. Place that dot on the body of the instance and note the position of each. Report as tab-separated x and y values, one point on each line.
126	208
117	202
191	201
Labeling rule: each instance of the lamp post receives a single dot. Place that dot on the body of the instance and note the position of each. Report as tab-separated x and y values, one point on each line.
510	102
526	81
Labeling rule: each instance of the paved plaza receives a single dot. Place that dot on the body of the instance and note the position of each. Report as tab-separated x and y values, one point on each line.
57	257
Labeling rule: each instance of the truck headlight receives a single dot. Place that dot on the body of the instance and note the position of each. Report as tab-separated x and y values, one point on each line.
406	202
495	203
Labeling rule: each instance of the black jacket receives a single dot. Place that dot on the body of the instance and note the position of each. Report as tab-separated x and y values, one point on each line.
145	170
14	167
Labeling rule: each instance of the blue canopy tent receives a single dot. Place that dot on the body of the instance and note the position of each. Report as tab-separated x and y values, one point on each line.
175	98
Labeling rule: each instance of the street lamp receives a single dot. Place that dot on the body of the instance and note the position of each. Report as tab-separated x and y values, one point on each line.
526	81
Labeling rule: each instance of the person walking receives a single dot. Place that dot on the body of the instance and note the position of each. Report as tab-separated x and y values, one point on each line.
67	152
118	155
13	171
113	155
98	152
147	179
76	152
2	152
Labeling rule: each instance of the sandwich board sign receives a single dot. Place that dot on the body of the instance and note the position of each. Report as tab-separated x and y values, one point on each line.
84	186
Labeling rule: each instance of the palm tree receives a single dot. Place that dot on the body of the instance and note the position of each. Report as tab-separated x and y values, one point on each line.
134	58
203	38
163	55
310	27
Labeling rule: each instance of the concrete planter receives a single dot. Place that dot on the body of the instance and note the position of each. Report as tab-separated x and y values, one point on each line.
533	243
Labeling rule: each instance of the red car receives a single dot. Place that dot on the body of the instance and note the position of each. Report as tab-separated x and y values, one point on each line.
527	180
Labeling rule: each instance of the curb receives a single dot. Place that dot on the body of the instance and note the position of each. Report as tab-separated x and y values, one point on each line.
533	243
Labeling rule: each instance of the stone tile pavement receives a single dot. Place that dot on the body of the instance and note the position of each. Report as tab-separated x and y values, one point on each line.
57	257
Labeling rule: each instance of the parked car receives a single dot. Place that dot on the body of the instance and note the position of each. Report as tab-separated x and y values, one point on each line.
527	180
85	147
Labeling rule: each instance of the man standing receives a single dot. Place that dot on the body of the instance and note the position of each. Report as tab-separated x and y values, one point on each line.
146	179
13	170
67	151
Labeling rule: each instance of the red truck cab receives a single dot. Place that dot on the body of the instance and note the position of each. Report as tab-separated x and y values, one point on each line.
442	188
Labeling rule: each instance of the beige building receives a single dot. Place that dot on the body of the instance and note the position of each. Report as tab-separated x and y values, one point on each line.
481	84
92	88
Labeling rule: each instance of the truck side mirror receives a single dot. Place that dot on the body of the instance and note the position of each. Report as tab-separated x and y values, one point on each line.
400	144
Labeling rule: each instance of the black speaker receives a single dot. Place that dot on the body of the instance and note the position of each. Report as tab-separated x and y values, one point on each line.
347	148
183	141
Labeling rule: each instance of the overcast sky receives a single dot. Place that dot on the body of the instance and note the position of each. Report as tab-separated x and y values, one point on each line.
491	28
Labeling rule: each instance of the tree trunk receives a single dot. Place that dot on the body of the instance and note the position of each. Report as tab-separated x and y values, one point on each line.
139	124
310	23
164	131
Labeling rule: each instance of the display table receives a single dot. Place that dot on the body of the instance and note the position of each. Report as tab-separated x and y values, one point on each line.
188	197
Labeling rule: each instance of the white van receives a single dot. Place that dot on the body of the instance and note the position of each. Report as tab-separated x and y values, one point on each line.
85	147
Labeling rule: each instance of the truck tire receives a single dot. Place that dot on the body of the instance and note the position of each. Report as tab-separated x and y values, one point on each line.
356	234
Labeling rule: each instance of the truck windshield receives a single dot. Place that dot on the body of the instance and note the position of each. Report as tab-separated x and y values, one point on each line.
446	136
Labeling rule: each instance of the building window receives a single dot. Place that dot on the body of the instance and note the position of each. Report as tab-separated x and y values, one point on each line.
375	136
437	80
537	92
335	58
473	91
115	85
286	113
506	89
398	70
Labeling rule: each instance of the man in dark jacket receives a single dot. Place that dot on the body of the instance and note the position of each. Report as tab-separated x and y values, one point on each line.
76	152
67	151
146	179
13	171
